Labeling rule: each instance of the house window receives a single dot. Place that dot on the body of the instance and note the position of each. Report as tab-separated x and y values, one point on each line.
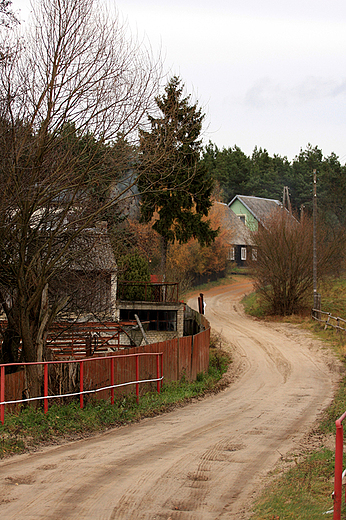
152	319
231	254
243	253
243	218
254	254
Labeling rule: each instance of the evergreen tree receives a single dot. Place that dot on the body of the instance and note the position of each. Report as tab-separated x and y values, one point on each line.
331	191
134	268
267	175
177	190
300	181
230	168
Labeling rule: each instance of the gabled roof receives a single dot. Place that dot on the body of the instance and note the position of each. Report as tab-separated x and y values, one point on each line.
94	251
240	234
260	208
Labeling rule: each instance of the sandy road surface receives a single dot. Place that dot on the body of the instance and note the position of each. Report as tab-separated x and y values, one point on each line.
201	462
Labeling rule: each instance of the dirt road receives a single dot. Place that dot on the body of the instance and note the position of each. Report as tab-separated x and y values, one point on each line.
201	462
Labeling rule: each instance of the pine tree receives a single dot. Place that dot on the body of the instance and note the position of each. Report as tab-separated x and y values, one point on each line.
177	191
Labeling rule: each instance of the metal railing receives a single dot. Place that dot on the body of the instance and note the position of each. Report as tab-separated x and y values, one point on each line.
45	397
80	339
86	338
148	292
339	447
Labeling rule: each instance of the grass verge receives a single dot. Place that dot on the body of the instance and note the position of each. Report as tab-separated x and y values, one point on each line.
304	491
31	428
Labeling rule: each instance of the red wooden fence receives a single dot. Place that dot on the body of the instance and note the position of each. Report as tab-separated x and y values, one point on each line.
108	384
181	357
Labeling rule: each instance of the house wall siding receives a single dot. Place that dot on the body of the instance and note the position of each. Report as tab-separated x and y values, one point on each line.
240	209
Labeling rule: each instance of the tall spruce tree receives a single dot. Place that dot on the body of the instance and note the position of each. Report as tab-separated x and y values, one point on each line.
178	187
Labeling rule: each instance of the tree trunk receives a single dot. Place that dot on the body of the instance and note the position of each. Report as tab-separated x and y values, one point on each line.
33	373
11	341
164	256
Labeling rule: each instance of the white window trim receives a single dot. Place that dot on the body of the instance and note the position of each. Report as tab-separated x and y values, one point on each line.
231	254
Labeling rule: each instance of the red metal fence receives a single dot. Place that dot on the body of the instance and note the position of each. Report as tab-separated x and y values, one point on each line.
148	292
186	356
110	370
339	447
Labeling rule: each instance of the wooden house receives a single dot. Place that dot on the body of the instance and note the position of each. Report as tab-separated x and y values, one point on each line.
241	248
89	280
253	211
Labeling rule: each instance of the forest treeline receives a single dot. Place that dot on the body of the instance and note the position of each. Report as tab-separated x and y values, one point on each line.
261	175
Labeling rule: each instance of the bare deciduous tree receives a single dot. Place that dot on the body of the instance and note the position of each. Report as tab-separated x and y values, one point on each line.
7	16
69	88
283	270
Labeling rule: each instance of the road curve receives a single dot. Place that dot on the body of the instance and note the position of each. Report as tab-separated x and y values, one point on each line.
200	462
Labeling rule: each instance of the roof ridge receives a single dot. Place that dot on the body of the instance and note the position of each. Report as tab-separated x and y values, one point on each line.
259	198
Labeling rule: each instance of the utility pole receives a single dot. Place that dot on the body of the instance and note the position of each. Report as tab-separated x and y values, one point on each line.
302	207
286	199
317	297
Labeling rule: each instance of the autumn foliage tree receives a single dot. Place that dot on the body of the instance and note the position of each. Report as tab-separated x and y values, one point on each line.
142	238
192	260
284	267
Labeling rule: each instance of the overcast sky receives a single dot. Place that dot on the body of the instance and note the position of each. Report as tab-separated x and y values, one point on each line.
267	73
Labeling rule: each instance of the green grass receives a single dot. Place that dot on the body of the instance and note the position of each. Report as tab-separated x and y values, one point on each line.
254	306
303	492
32	427
333	292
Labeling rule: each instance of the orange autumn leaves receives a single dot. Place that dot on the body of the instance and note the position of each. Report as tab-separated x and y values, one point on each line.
190	260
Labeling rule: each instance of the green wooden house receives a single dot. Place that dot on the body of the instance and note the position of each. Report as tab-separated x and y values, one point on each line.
253	211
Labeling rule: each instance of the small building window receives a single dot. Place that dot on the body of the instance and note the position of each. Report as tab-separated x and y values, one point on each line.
231	254
254	254
243	253
243	218
154	319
